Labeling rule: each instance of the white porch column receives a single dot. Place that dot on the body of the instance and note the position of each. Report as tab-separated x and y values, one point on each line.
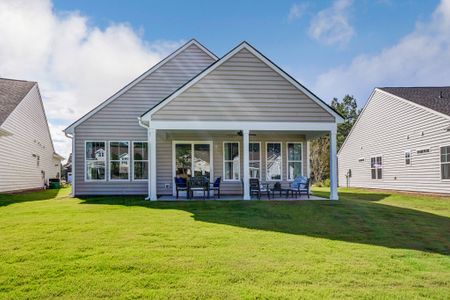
152	164
333	167
246	164
308	158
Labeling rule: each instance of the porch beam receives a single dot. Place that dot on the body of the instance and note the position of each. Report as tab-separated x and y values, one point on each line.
246	164
152	196
226	125
333	167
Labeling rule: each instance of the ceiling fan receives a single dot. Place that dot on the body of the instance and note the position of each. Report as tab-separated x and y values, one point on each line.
239	133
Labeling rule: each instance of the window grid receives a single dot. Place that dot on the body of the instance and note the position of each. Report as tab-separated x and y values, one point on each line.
294	161
233	161
143	161
275	162
123	160
253	161
445	162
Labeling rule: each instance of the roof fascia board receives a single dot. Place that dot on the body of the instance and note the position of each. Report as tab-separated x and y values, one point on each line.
70	129
149	113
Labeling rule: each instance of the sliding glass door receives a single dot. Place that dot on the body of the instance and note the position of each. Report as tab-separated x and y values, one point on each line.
193	159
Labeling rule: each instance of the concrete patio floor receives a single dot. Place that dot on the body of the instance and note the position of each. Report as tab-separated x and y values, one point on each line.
238	198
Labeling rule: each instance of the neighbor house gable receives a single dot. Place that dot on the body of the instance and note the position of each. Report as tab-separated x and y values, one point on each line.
168	63
243	86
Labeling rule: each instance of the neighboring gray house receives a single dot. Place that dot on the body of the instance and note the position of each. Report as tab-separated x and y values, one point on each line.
400	141
195	114
26	148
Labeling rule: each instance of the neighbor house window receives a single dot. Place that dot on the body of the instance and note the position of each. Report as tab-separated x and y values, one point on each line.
231	161
273	161
294	160
140	160
445	162
95	159
255	160
376	166
119	161
408	158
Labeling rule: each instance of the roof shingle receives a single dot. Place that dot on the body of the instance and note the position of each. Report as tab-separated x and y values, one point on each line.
11	94
435	98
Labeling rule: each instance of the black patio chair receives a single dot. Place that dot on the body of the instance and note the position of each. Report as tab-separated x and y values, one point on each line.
198	184
215	186
299	186
181	185
257	189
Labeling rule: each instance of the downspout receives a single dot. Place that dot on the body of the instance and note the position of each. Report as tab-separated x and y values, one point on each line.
142	124
73	160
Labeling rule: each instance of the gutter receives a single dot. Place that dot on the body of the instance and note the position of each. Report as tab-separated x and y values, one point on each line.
146	126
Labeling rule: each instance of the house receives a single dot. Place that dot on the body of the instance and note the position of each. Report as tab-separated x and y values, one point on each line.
28	157
195	114
400	141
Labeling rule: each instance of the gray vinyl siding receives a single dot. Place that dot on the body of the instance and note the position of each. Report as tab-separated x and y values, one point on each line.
118	121
383	129
164	156
243	89
30	135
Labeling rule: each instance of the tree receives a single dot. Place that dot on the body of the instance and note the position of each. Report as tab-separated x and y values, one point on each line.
348	108
320	155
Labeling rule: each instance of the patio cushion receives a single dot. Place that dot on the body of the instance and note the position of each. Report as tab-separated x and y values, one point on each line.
299	183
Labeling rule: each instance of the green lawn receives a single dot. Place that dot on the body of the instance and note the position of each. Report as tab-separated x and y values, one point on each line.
367	245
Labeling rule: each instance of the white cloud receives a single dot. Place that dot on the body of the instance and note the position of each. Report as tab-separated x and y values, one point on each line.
420	58
296	11
331	25
77	65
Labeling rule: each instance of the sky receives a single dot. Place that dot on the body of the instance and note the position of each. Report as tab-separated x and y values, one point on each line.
81	52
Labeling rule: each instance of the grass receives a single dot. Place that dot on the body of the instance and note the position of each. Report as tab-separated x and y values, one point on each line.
367	245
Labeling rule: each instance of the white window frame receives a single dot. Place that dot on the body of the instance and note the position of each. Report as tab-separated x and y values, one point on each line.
441	163
109	161
410	157
85	162
288	161
281	164
376	173
225	161
139	160
260	159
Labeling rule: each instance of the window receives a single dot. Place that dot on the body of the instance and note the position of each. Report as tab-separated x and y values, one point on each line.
408	158
193	159
255	160
445	162
119	168
376	166
140	160
294	160
423	151
95	159
231	161
273	161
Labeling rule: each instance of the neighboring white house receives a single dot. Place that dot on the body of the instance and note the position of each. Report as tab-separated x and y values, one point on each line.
400	141
28	159
194	114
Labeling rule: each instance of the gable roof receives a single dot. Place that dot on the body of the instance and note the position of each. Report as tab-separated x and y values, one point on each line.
71	127
435	98
268	62
12	93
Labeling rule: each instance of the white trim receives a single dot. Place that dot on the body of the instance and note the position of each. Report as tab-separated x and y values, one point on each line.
246	163
85	162
192	143
109	161
334	194
132	161
281	163
308	159
224	125
223	161
287	160
152	184
244	45
71	128
260	159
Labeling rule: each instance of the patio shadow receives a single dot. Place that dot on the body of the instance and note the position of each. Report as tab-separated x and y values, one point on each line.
350	220
8	199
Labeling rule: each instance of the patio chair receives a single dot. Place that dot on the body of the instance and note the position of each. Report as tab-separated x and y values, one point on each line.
198	184
299	186
215	186
181	185
257	189
277	188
